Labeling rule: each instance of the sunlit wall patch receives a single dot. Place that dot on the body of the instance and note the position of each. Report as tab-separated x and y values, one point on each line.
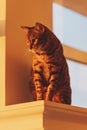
70	27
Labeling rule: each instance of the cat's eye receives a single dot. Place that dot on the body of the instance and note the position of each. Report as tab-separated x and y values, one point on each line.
33	40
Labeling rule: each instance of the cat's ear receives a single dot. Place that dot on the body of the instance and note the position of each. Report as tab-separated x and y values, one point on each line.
25	28
39	28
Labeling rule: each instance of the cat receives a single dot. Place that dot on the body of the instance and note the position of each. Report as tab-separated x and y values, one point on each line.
50	78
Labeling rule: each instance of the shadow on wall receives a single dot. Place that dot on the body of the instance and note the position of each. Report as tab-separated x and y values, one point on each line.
18	77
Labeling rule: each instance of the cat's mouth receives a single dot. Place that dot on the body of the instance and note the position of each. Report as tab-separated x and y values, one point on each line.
29	45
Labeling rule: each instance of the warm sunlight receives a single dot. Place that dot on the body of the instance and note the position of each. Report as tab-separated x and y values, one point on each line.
2	9
2	51
71	28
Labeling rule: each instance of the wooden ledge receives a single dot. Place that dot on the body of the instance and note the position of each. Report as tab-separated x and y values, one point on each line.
42	115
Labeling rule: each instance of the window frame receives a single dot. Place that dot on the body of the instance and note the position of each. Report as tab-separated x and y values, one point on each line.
80	7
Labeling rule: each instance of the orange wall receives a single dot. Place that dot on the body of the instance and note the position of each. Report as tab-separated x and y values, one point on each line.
18	65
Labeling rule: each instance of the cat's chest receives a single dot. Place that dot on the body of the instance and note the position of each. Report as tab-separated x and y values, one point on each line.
42	61
46	71
41	58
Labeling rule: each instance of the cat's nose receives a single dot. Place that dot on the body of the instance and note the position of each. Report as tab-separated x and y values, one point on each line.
28	43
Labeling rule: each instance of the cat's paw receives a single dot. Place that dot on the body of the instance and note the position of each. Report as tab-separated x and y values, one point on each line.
39	96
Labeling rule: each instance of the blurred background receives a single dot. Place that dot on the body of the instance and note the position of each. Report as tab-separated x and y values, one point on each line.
68	20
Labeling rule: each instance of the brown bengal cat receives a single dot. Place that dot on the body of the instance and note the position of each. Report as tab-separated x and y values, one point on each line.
50	77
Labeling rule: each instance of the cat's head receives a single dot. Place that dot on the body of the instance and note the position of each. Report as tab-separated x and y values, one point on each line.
35	35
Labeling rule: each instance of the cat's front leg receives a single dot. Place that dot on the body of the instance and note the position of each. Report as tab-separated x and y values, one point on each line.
38	87
38	82
51	88
53	82
49	93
